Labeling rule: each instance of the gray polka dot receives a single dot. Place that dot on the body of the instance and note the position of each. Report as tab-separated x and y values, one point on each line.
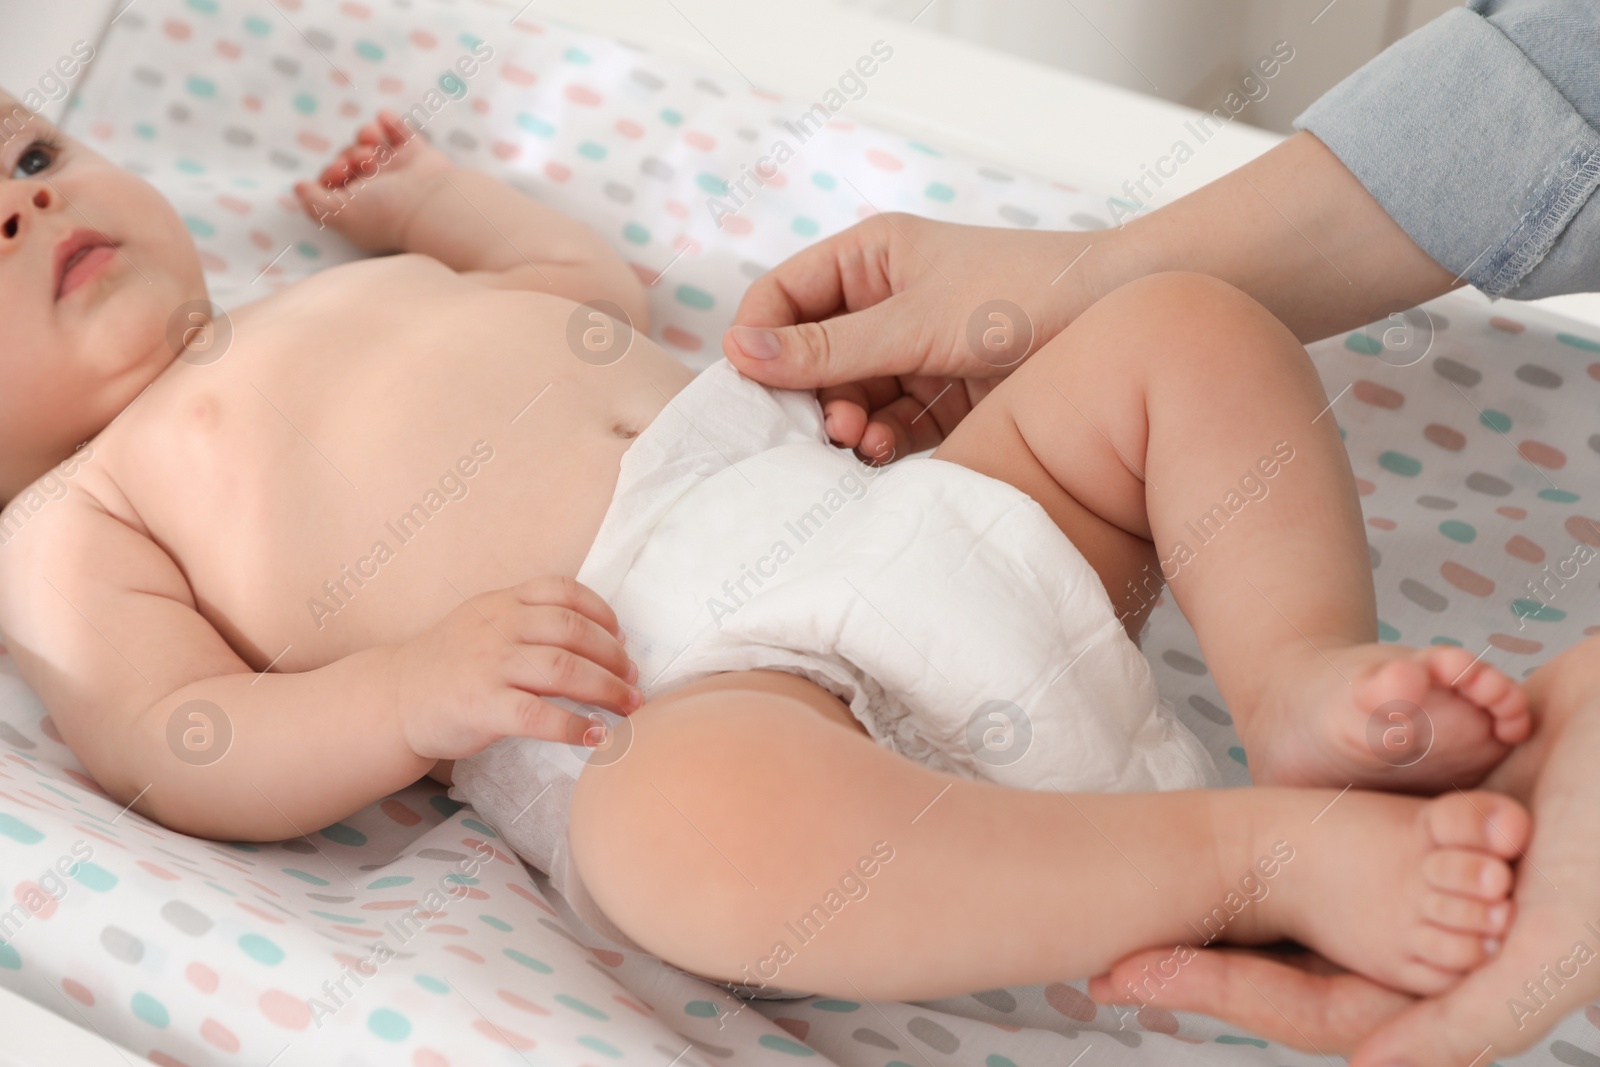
463	140
875	1039
746	133
148	76
1436	503
1572	1055
238	135
178	113
121	944
751	269
11	736
706	85
441	854
646	79
657	168
331	898
283	159
233	855
1540	377
285	66
932	1034
321	40
131	22
1459	373
1375	555
1210	711
175	856
1012	213
998	999
995	175
1480	482
1085	221
618	193
1180	661
1126	1037
1422	596
707	1047
299	846
1439	321
186	918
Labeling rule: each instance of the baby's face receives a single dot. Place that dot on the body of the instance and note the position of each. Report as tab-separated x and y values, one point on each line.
93	263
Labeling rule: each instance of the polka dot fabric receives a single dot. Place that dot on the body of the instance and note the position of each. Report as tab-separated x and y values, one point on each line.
1476	465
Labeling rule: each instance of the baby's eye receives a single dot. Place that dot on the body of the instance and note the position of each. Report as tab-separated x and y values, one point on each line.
35	158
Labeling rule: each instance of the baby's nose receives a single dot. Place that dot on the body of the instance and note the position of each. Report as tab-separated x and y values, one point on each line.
13	223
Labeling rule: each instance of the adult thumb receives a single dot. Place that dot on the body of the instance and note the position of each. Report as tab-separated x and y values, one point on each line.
871	343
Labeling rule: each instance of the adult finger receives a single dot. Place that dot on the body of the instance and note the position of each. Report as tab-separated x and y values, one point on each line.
885	339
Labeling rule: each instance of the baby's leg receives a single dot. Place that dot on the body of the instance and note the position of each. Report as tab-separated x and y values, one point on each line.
742	835
1177	431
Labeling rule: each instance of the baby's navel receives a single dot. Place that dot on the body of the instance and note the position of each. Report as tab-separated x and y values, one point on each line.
626	431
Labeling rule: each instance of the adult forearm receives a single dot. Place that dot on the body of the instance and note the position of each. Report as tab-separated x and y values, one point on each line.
1294	229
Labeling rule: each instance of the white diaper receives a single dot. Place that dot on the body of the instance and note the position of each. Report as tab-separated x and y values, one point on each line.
945	607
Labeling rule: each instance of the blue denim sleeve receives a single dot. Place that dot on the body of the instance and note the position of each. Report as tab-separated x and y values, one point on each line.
1478	135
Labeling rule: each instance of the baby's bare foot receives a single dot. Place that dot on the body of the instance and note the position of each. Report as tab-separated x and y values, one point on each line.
1410	893
1384	717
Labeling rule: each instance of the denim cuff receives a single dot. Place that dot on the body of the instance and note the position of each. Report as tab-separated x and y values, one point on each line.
1475	154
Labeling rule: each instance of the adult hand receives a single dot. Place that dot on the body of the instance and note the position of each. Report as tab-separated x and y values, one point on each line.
896	322
1302	1000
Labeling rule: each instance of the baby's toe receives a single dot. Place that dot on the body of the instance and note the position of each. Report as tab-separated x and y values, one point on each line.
1468	874
1478	820
1449	950
1398	679
1466	915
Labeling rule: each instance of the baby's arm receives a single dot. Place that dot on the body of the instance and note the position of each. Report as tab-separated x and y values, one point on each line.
168	718
391	191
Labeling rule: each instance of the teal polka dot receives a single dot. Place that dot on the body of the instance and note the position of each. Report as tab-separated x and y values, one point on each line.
1457	530
261	950
309	251
1400	463
204	88
144	131
700	1009
477	827
805	227
712	184
9	958
368	50
304	103
389	1025
189	166
209	7
577	1005
1558	496
534	124
452	85
1452	642
835	1005
390	882
222	889
1387	633
635	234
939	191
1360	342
1537	611
95	877
432	984
689	296
1230	1039
340	834
824	180
1238	756
59	792
498	924
994	1059
590	150
305	876
783	1044
1578	342
257	27
443	805
241	846
576	55
148	1009
926	149
18	830
670	117
460	879
600	1046
1496	420
335	917
528	961
469	41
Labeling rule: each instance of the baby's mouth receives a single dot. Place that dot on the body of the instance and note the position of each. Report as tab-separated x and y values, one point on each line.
79	256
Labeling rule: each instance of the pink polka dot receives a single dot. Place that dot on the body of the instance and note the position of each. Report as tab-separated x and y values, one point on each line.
522	1002
36	900
212	262
517	75
260	240
1524	549
1158	1019
1381	523
1364	487
312	141
446	929
252	103
634	1004
234	204
229	50
630	129
607	956
479	106
77	991
866	211
338	78
1583	529
1500	322
883	160
178	31
287	1011
582	94
797	1028
703	141
399	813
1378	396
390	84
423	39
1518	645
264	889
160	872
102	131
1445	437
528	27
464	953
426	1057
501	1036
1465	579
349	109
1070	1002
261	913
1511	512
388	905
525	894
1543	455
219	1036
677	209
737	225
201	977
682	339
356	11
557	172
161	1059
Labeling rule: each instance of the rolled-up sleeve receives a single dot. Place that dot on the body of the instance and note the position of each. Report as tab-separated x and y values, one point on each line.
1480	135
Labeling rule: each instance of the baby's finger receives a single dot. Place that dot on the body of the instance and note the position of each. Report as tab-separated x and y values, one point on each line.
901	428
844	421
319	201
516	714
558	627
396	131
555	672
568	593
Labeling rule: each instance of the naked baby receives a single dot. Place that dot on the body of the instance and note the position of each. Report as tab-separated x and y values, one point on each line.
357	534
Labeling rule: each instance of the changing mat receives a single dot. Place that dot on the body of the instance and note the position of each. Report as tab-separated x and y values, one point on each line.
407	934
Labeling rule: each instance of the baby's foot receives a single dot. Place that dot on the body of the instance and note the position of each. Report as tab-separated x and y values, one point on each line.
1410	893
1384	717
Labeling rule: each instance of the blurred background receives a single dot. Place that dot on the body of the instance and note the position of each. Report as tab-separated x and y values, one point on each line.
1187	51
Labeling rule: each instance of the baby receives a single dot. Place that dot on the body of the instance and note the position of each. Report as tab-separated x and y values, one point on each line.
293	573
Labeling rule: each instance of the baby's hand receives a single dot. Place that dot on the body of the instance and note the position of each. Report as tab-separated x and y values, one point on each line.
478	675
376	185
